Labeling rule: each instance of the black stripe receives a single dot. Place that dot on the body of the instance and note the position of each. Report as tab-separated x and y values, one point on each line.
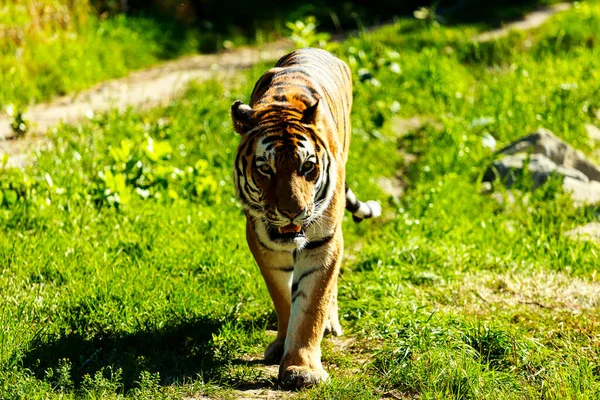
322	193
262	243
298	294
264	80
324	174
281	88
285	58
249	189
250	146
286	269
317	141
307	273
306	100
244	196
270	139
270	147
296	70
304	275
369	214
352	207
318	243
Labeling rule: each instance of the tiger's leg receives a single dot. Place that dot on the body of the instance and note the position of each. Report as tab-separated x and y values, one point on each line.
315	276
332	326
276	268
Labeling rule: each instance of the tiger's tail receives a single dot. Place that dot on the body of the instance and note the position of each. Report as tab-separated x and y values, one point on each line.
361	210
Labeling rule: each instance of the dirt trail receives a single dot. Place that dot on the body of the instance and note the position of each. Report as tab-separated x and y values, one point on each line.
154	86
530	21
159	85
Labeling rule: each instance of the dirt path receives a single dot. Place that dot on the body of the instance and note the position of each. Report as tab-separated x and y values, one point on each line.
159	85
154	86
531	21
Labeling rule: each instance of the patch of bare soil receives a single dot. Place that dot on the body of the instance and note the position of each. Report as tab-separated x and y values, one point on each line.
146	88
554	291
160	84
395	186
531	21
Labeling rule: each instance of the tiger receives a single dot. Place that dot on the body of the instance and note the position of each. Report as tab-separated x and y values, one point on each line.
290	179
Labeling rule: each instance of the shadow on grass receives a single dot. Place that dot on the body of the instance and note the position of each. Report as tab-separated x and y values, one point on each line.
178	353
210	22
204	25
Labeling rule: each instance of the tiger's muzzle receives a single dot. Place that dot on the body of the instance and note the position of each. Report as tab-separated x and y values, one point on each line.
295	227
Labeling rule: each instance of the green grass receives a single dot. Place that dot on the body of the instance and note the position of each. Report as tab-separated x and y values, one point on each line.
55	47
125	273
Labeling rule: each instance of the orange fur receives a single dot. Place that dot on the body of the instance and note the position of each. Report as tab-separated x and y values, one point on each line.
299	111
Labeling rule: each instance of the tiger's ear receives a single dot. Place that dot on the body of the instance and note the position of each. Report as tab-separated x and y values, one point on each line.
242	116
309	115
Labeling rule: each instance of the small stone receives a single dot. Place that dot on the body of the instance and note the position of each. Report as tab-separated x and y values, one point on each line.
506	197
583	193
589	231
486	188
593	132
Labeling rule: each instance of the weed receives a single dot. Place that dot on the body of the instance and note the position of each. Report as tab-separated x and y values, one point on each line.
304	33
18	124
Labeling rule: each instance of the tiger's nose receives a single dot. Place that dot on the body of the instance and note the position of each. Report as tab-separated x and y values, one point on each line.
291	214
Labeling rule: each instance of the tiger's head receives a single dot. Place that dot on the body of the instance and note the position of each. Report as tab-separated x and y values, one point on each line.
283	172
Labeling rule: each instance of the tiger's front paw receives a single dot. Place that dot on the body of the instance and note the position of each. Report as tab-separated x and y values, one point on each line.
333	328
295	377
274	352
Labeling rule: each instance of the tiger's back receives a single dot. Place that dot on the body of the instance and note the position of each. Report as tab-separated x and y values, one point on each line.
302	78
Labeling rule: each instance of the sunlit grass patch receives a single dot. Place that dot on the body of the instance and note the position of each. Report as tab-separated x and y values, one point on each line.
50	48
125	272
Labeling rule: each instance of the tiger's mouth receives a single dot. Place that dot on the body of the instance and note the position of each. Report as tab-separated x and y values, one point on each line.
286	233
291	228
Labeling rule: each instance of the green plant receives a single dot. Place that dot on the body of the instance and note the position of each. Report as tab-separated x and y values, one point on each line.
304	33
18	124
427	14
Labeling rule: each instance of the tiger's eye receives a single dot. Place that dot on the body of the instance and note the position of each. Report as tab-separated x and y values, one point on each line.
308	166
265	169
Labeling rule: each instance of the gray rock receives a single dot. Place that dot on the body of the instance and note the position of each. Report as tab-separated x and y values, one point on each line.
539	166
559	152
545	155
583	193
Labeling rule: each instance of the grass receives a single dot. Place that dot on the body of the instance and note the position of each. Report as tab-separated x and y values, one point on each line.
125	272
55	47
